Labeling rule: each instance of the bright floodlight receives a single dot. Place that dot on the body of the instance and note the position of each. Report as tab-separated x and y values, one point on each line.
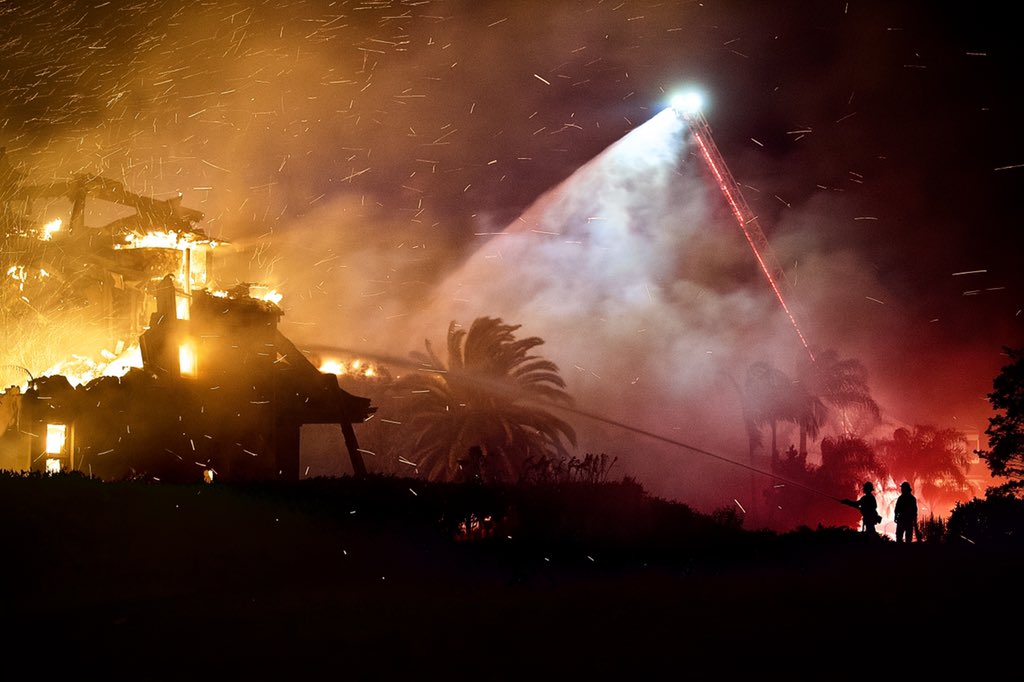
687	103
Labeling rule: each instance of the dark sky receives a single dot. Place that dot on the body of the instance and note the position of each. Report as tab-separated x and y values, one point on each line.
426	123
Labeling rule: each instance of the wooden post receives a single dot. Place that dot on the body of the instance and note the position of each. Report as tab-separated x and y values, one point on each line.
358	465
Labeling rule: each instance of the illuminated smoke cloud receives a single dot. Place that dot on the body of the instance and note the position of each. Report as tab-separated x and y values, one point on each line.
646	297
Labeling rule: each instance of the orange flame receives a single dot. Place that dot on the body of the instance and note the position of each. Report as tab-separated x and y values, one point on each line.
51	227
355	368
79	369
164	240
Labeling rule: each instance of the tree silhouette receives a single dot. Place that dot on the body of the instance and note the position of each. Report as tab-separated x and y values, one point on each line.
770	396
489	392
933	460
1005	456
846	463
830	381
751	416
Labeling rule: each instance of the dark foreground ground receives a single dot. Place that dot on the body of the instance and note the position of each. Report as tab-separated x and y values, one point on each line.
368	580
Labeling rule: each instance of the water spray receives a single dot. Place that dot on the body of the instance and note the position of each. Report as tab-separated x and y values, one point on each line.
688	107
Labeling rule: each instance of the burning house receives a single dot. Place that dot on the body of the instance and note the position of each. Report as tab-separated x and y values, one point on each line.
70	289
212	384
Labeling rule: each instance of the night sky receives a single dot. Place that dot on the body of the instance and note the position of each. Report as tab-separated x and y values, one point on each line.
381	141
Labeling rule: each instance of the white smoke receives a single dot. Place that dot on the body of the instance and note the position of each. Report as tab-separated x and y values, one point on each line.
647	297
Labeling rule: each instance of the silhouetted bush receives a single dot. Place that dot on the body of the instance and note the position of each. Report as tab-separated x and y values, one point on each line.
994	520
727	517
552	469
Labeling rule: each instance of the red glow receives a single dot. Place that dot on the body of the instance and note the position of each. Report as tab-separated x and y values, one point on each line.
743	221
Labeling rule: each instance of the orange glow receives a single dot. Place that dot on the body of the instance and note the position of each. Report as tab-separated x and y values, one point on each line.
51	227
260	292
181	308
263	292
357	368
192	272
21	274
18	274
332	367
163	240
81	370
56	435
885	497
130	358
886	494
187	360
53	465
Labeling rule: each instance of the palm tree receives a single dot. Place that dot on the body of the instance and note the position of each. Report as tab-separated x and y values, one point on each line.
770	397
755	441
933	460
830	381
490	393
846	463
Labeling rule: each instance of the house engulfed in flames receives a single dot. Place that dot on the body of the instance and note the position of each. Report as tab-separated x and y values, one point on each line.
69	291
213	388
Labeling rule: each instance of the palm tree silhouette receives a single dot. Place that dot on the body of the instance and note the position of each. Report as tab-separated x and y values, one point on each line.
770	397
490	393
847	461
830	381
933	460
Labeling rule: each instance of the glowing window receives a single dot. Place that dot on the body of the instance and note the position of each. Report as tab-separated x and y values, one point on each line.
187	360
53	465
56	434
